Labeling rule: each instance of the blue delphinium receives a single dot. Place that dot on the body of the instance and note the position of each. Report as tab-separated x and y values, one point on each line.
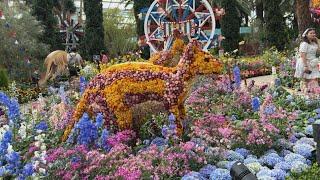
88	132
207	170
283	165
165	131
220	174
271	159
303	149
43	126
244	152
237	76
171	118
27	171
255	104
193	175
13	108
234	156
99	120
83	84
103	143
13	163
4	144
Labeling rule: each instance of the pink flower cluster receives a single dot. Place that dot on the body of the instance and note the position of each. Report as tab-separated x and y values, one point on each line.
122	137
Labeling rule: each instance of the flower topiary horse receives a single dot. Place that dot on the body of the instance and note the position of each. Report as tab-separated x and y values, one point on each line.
120	87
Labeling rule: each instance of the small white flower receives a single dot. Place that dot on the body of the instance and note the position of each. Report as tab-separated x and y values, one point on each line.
10	149
42	170
37	144
37	154
36	164
43	147
39	131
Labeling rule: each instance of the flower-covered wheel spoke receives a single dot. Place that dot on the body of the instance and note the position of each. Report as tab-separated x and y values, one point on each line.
193	19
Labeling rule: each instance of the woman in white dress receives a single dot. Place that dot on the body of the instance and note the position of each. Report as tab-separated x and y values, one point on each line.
307	65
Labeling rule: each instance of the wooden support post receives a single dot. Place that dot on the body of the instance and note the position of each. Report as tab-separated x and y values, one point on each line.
316	136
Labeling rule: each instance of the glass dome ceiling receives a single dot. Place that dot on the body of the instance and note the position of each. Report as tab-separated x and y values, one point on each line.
126	11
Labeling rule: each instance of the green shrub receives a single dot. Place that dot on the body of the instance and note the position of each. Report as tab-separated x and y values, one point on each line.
311	173
4	80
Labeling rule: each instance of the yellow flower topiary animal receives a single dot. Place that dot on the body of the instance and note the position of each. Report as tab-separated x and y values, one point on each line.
120	87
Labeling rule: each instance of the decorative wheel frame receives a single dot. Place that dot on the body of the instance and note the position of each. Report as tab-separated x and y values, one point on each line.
193	19
71	33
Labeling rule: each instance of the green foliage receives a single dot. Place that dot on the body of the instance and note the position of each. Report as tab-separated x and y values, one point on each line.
119	38
19	37
273	57
4	80
275	25
42	9
311	173
93	41
230	25
152	127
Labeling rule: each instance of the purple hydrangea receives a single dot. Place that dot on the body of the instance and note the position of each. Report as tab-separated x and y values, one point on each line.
220	174
284	152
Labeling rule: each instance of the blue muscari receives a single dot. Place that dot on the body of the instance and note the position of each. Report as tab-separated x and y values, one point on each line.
255	104
13	108
237	76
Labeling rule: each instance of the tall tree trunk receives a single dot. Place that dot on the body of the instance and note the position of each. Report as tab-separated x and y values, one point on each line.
303	15
259	11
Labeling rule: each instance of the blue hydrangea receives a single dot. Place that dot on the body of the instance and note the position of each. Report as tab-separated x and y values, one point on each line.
303	149
234	156
237	76
283	143
299	135
207	170
284	152
255	104
222	164
249	160
264	172
254	167
266	178
298	167
306	140
271	159
311	120
279	174
290	158
244	152
309	130
43	126
159	141
283	165
193	175
99	120
230	164
317	110
220	174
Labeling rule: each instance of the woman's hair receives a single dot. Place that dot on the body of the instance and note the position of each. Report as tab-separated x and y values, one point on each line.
305	33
